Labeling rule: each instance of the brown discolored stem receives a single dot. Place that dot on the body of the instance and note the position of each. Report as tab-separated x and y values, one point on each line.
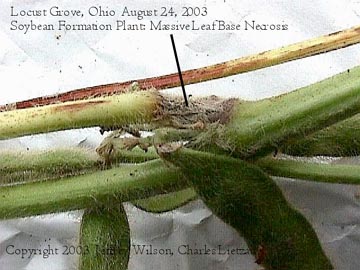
265	59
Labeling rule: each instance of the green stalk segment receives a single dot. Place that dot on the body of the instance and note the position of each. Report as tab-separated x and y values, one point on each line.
257	128
128	182
166	202
105	239
135	155
117	110
16	167
330	173
340	139
243	196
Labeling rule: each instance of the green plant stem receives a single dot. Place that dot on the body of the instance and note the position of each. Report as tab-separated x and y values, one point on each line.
340	139
23	167
128	182
166	202
16	167
330	173
135	155
105	239
246	198
137	107
258	128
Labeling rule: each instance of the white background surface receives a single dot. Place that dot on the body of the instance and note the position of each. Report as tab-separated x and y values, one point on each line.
39	64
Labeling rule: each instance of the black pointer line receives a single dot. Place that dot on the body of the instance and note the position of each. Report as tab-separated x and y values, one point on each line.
179	70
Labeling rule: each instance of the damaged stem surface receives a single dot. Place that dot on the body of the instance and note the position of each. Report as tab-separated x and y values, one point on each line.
273	57
146	109
246	129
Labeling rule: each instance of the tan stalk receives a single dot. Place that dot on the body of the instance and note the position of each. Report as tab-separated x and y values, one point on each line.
265	59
